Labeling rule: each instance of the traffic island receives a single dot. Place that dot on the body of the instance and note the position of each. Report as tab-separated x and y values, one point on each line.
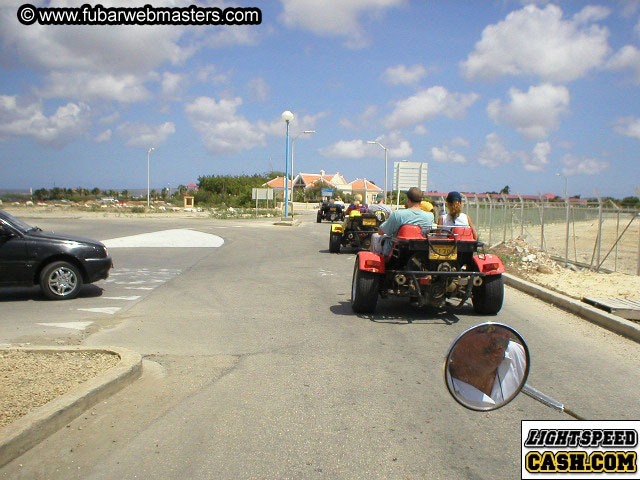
29	430
288	222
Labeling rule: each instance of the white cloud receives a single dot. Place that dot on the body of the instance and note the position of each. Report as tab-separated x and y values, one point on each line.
227	36
91	48
110	118
361	121
346	149
126	88
209	74
537	41
144	136
402	75
18	119
172	83
397	146
445	155
276	127
534	113
582	166
591	13
426	104
628	57
104	136
258	89
538	158
629	126
420	130
221	128
494	153
459	142
335	18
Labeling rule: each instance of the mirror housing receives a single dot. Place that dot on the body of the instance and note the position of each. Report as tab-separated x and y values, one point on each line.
486	366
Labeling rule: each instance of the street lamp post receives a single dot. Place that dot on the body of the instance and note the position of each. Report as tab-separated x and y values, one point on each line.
148	155
372	142
287	116
293	145
566	200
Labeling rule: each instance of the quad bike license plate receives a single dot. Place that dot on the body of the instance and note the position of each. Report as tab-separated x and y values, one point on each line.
443	252
369	221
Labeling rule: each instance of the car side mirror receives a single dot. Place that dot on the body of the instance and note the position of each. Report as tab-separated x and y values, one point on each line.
486	366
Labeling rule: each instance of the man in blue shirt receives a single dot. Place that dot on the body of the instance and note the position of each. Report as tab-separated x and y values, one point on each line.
412	215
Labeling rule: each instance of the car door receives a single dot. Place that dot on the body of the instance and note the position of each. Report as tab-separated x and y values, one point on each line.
14	265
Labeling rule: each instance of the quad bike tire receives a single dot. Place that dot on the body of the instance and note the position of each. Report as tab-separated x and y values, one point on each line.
61	280
319	218
335	239
364	290
487	298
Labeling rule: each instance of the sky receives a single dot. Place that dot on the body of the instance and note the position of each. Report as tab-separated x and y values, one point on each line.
530	95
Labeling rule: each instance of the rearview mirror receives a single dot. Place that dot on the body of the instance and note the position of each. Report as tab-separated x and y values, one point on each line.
486	366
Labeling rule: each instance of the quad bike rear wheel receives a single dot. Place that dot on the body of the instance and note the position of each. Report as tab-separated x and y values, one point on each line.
364	290
487	298
335	239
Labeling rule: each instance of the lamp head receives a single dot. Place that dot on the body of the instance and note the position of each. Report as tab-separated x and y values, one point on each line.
287	116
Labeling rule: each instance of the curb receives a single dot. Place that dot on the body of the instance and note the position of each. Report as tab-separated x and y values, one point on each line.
28	431
606	320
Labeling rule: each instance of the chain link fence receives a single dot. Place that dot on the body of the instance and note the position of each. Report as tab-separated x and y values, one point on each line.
585	234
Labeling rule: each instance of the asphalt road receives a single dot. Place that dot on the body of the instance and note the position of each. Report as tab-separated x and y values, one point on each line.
255	367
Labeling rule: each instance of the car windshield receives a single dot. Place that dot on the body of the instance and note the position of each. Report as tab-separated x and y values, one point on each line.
19	224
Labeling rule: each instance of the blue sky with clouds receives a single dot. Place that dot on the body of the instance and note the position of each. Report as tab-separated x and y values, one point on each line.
489	93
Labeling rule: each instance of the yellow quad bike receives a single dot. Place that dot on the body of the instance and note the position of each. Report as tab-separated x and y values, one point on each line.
356	231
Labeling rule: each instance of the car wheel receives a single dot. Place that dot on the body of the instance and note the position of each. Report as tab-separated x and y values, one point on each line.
60	281
487	298
335	239
364	290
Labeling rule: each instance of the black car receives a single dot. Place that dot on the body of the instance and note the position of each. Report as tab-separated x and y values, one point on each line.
59	263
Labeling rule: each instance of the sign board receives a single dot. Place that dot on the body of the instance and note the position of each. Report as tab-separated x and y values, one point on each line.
410	174
262	194
327	192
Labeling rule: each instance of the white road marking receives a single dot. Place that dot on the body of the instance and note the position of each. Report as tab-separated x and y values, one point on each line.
136	282
325	273
135	297
174	238
72	325
109	310
139	288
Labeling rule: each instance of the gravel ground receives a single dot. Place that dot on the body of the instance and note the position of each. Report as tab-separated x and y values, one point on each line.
31	379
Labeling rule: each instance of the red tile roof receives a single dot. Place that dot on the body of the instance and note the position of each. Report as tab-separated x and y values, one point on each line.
359	184
277	182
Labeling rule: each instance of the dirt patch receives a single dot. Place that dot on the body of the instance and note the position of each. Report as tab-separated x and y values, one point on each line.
526	261
31	379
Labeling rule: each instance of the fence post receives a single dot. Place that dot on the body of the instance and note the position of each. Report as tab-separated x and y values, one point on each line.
521	216
566	238
638	218
477	208
490	217
504	218
541	223
599	239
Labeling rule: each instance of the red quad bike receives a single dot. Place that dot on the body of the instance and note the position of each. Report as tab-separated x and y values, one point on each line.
443	263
